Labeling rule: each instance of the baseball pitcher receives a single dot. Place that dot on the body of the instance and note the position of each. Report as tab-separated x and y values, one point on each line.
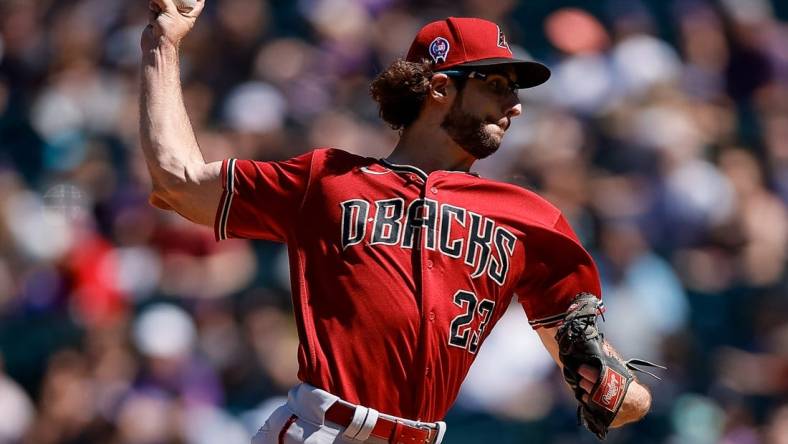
400	266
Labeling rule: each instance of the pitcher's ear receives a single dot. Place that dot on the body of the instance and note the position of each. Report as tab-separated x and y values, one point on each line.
439	85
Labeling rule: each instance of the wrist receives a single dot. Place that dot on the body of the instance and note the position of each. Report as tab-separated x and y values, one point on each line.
162	52
637	402
166	46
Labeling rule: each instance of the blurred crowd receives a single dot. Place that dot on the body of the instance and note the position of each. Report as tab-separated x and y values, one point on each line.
662	135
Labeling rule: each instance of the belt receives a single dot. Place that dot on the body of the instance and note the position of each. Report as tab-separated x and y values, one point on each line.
391	430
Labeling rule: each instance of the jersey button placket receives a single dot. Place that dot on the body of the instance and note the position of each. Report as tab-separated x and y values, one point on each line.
428	299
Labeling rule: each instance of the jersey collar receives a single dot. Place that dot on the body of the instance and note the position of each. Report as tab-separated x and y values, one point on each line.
417	170
405	169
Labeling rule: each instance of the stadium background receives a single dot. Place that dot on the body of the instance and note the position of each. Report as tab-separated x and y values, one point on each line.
663	136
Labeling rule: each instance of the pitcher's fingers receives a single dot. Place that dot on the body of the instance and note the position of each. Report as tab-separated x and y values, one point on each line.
153	11
197	8
153	7
588	372
158	202
166	6
586	385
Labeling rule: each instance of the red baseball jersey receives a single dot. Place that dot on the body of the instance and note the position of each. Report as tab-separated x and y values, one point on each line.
398	276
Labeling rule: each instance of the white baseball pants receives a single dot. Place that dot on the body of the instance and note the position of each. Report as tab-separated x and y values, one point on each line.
302	421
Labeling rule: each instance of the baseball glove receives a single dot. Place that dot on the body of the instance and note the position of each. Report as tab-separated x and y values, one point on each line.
579	343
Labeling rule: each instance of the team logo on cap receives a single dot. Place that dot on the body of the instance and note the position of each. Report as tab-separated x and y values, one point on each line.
439	50
502	43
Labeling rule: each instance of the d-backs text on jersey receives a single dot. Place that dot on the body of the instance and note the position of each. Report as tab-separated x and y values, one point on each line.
486	248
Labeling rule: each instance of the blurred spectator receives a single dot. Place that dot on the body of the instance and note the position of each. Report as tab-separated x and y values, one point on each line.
16	409
646	301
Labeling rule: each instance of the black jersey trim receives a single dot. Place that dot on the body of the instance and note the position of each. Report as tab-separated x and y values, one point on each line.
228	200
550	320
405	168
420	172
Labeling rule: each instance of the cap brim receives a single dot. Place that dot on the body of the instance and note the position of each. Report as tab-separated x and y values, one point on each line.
529	74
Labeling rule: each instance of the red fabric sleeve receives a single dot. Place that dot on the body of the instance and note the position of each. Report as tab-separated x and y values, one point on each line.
261	200
557	269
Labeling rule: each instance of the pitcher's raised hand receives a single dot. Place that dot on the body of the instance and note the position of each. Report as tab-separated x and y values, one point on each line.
168	24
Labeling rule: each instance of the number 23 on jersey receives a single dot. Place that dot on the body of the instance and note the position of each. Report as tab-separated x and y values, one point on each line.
462	333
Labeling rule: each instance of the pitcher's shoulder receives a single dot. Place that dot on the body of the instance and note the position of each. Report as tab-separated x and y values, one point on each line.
534	207
338	161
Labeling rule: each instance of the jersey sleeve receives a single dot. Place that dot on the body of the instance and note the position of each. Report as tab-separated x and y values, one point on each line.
261	200
557	269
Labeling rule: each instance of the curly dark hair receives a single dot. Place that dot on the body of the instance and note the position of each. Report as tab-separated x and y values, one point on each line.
400	91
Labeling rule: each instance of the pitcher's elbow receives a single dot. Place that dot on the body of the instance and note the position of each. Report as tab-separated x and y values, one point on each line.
169	182
158	199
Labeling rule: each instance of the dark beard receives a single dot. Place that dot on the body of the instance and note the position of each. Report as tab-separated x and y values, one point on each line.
467	131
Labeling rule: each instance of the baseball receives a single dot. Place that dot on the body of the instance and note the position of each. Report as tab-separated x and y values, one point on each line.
185	5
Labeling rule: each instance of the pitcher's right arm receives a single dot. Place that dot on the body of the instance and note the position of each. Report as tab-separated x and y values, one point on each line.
182	180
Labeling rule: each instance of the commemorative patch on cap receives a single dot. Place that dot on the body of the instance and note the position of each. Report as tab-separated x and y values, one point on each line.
439	50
